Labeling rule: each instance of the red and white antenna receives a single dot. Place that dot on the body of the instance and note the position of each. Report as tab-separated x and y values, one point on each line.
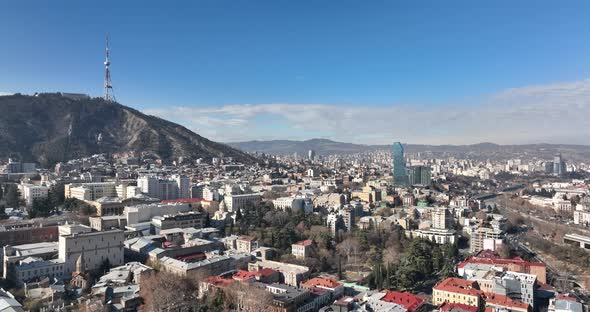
108	85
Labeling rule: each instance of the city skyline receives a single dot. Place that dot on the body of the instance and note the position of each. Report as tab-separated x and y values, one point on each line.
464	74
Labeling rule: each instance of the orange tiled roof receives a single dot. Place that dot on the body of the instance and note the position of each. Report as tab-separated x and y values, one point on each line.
321	282
242	275
306	242
218	281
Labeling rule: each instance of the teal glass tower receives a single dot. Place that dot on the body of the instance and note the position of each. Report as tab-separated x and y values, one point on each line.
400	174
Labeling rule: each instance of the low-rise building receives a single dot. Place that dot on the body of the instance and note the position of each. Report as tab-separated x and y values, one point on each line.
301	249
336	288
456	290
31	192
246	244
437	235
538	269
191	219
292	274
234	202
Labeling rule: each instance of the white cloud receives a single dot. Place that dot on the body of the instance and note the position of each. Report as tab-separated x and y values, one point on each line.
555	113
5	93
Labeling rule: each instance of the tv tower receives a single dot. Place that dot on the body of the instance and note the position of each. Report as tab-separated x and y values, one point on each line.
108	85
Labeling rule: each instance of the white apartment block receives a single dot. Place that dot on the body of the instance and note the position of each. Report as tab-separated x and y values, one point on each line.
91	191
436	235
301	249
30	192
235	202
442	218
144	213
177	186
582	217
481	235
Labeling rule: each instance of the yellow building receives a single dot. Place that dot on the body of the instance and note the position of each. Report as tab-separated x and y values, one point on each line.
456	290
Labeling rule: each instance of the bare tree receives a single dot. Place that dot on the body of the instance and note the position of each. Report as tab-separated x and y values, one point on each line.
167	292
247	297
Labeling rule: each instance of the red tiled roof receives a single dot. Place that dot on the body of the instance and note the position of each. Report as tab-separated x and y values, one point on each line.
242	275
218	281
265	272
448	307
306	242
458	285
503	301
407	300
321	282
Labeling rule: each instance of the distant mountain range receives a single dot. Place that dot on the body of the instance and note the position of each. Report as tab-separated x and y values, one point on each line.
475	151
54	127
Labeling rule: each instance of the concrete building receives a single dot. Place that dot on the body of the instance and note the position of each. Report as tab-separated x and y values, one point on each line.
442	218
31	192
419	175
439	236
341	220
29	256
538	269
103	223
211	266
94	247
176	187
293	203
456	290
90	191
292	274
491	279
233	202
145	213
484	236
191	219
301	249
246	244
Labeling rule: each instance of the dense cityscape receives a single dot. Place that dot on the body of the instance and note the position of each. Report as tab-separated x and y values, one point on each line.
378	231
294	156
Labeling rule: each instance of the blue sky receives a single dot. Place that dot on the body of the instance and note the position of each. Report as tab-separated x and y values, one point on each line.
237	70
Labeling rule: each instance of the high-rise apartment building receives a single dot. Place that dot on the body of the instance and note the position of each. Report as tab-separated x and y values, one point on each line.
558	165
400	175
176	187
442	218
419	175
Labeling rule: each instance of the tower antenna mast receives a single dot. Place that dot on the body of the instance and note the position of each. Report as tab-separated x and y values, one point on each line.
108	85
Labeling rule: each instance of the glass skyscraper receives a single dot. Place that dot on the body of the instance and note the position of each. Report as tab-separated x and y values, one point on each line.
400	174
